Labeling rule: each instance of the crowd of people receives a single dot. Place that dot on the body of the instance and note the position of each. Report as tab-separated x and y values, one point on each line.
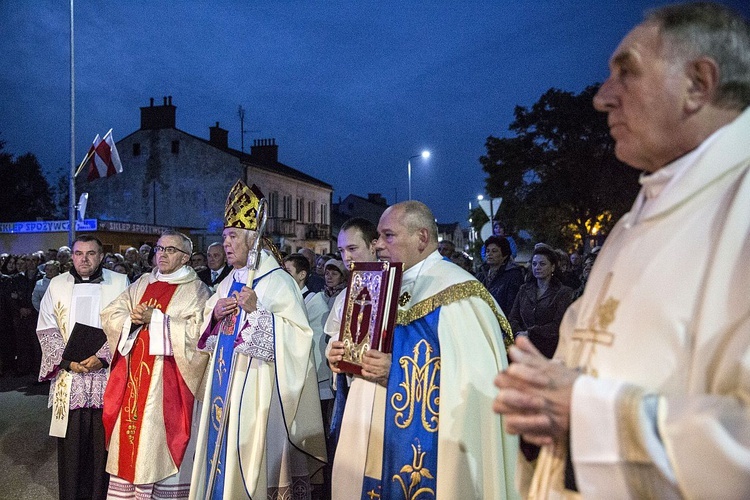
182	374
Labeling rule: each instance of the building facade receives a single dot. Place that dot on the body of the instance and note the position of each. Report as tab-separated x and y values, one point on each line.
175	179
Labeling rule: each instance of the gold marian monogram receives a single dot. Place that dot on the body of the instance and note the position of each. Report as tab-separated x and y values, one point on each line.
419	388
414	474
596	332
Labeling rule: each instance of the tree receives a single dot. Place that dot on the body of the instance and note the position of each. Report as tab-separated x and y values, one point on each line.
61	196
27	194
558	176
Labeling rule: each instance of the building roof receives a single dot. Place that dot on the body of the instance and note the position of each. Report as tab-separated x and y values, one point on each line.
249	160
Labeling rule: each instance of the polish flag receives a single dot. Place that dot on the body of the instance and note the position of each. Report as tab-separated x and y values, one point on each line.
105	161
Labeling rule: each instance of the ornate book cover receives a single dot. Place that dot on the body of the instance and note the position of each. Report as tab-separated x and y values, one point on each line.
369	311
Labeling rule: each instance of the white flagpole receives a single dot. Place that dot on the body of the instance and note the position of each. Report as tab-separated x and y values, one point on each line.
72	185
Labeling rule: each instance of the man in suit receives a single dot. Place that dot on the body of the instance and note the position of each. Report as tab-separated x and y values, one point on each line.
217	266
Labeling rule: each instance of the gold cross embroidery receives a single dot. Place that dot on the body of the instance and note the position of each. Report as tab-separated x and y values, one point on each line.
596	330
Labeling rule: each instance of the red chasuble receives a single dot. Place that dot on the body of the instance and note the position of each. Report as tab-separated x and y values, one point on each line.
128	387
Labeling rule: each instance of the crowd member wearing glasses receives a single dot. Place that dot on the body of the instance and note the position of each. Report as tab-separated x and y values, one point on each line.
153	328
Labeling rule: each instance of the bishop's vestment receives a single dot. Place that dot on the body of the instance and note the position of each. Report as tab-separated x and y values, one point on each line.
274	435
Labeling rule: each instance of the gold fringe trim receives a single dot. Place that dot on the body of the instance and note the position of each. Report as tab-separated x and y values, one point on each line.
452	294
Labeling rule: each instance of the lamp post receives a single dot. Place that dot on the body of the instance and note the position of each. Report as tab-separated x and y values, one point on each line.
424	154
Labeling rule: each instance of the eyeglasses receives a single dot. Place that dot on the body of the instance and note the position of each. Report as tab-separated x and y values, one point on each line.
169	250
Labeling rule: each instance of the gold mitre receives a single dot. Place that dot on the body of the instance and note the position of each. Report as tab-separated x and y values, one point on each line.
241	210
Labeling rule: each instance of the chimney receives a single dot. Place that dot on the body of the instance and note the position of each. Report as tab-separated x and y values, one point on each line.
376	198
158	117
265	151
218	137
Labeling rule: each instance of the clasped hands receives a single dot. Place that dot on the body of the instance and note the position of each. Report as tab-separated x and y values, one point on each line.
375	365
247	299
90	364
535	395
141	314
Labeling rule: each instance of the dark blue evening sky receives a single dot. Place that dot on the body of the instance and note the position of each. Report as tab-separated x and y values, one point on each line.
349	90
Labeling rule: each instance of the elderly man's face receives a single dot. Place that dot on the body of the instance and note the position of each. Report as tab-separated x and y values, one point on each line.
644	98
237	246
397	243
171	262
216	257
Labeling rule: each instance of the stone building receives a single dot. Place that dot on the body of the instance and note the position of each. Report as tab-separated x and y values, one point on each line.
371	208
452	231
175	179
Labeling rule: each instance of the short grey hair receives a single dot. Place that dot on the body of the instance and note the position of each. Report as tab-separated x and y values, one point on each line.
417	215
707	29
187	243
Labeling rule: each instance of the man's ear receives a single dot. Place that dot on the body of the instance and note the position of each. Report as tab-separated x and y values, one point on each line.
371	247
305	275
424	238
703	76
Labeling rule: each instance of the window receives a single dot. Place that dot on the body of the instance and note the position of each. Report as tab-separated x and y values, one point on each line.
273	204
175	147
300	210
136	149
287	207
323	213
311	211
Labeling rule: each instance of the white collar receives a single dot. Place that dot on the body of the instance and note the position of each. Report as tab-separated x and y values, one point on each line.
172	277
411	274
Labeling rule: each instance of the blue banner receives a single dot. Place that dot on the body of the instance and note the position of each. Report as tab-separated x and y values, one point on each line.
47	226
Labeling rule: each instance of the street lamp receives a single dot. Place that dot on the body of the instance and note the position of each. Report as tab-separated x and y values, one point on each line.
425	154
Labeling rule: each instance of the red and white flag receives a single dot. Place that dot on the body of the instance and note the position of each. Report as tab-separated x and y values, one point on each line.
105	161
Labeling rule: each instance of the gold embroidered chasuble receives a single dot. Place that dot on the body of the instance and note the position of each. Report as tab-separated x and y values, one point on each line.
184	316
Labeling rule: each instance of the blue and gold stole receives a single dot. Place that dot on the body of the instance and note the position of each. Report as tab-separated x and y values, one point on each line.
411	415
222	367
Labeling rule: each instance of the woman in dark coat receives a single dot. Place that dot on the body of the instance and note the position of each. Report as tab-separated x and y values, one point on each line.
541	303
501	276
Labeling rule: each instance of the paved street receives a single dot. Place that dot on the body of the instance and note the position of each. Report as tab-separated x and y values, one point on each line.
28	456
